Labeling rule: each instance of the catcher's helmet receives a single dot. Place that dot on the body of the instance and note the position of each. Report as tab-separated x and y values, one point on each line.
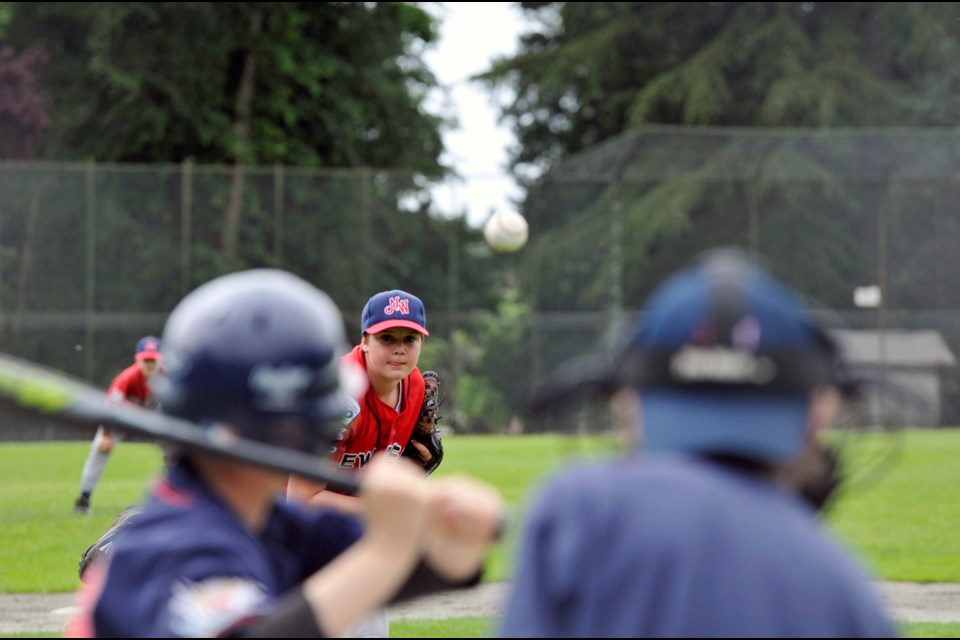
257	351
725	357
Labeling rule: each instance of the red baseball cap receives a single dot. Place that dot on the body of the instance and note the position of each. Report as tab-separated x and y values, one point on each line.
148	348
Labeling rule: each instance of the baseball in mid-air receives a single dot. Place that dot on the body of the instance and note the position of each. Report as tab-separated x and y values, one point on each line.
506	230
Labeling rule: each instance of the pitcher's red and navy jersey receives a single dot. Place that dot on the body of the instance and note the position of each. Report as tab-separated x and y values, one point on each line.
379	427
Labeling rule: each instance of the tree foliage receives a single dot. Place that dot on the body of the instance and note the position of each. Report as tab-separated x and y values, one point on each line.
219	136
643	125
336	84
23	109
585	72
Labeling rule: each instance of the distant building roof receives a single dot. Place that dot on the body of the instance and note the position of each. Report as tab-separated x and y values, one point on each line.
900	348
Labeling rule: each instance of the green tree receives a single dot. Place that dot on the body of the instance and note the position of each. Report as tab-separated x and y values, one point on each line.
23	109
593	92
587	71
297	83
239	83
203	116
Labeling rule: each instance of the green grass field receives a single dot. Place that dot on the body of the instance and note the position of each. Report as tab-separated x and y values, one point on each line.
41	480
485	628
899	524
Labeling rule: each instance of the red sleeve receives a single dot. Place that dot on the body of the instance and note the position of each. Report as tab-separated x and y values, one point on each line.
346	435
129	386
349	431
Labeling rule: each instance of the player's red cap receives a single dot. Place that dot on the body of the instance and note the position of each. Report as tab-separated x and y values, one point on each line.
148	348
394	308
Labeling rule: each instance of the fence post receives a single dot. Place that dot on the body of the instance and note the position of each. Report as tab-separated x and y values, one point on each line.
91	266
366	197
3	319
616	259
278	229
186	225
453	271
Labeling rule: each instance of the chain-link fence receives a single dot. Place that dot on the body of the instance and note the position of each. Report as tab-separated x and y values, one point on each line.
94	256
864	222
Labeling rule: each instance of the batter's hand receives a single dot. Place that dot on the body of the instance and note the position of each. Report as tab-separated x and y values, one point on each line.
394	501
465	518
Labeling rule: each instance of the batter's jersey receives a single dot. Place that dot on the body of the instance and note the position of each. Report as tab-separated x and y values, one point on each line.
131	386
377	426
683	548
187	566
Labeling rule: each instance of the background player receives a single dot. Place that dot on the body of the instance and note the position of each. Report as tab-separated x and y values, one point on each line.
217	550
393	325
130	385
705	531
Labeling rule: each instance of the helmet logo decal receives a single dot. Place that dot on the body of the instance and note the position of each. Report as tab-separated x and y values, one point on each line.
721	364
280	387
397	305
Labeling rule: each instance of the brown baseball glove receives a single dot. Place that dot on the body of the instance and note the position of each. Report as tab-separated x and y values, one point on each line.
426	432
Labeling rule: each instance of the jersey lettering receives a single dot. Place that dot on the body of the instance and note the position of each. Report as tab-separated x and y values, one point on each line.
355	460
393	451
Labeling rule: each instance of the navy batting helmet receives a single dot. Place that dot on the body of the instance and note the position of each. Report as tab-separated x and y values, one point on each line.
257	352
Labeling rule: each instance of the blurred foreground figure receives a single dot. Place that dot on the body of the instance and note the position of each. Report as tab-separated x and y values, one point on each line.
710	527
217	550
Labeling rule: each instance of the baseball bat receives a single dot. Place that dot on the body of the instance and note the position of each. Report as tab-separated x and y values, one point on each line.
33	389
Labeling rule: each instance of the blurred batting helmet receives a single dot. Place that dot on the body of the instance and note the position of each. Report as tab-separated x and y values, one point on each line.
725	356
257	352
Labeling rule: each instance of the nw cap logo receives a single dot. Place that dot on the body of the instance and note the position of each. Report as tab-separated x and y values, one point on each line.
397	304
